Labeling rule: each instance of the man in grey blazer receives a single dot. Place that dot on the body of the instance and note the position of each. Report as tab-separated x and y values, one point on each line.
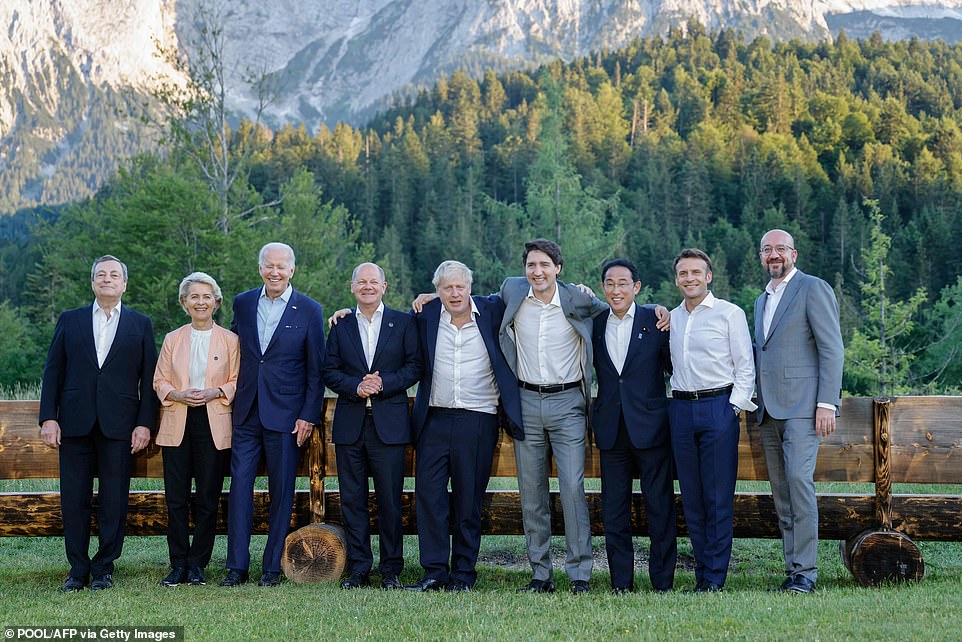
798	365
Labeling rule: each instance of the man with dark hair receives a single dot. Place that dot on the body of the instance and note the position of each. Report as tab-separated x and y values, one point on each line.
712	379
630	421
798	356
372	359
98	407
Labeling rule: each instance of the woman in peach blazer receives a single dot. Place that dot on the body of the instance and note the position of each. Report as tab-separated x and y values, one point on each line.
195	380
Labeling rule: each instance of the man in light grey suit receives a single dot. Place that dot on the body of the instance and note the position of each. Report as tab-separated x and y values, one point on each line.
798	365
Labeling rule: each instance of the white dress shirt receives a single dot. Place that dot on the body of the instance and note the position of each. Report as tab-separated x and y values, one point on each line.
549	348
772	300
269	313
618	336
199	348
711	348
105	329
369	331
463	376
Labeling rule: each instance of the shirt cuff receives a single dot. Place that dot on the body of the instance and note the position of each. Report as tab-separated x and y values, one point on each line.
827	406
744	404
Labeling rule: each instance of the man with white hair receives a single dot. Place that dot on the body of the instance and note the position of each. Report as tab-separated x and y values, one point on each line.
279	398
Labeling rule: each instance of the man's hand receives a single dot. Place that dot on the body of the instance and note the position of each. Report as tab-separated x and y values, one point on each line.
422	300
824	422
139	439
303	430
337	316
370	385
664	318
584	288
50	433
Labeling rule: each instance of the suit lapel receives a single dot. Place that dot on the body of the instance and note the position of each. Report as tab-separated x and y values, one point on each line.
639	334
760	318
353	329
290	312
791	291
384	336
86	323
123	327
432	317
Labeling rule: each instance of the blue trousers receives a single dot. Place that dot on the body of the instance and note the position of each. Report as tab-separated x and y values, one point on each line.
704	440
280	451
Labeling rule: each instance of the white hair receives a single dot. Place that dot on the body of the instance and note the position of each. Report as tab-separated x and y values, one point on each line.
449	270
275	246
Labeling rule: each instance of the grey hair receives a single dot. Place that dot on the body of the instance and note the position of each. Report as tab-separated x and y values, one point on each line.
104	259
198	277
452	270
358	269
275	246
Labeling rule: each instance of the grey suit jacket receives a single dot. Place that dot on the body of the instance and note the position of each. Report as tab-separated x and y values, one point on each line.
799	364
579	309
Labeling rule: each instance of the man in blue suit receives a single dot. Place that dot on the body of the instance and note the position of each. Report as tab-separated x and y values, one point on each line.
799	356
98	407
279	398
630	420
372	359
465	383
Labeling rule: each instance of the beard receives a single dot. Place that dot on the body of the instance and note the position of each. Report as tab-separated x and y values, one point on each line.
776	270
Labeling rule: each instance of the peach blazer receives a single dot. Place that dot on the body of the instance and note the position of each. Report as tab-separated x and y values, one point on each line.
173	373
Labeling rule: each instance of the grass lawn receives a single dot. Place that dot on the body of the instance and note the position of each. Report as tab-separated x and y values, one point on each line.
31	569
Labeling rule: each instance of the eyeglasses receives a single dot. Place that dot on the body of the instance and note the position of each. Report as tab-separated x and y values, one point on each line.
621	285
780	249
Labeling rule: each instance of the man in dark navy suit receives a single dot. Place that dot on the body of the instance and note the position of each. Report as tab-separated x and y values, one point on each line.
372	359
97	405
465	382
630	421
279	398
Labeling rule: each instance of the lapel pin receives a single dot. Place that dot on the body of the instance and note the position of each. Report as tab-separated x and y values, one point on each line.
293	307
215	357
390	324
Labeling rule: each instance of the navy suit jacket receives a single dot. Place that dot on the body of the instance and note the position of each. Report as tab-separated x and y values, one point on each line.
639	392
77	392
491	311
286	379
396	358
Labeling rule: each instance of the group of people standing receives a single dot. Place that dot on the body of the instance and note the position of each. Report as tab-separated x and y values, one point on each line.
524	358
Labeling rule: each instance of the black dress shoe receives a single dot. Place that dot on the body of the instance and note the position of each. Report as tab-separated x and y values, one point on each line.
580	586
708	587
427	584
356	580
234	578
177	577
538	586
457	586
784	585
271	578
801	584
73	584
102	582
196	576
621	590
391	583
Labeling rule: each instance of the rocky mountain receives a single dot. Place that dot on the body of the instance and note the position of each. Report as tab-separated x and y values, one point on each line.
76	73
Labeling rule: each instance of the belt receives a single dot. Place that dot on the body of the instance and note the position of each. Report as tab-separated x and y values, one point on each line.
549	390
695	395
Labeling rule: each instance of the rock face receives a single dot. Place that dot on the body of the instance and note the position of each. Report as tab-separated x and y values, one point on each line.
75	72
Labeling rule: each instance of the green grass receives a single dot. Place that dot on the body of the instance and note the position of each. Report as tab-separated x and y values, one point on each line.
33	568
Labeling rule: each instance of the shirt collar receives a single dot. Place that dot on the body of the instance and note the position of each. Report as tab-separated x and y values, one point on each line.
781	286
379	311
630	314
114	309
555	300
285	297
707	302
475	313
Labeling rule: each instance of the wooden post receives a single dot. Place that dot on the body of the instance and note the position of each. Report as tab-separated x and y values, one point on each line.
317	457
883	451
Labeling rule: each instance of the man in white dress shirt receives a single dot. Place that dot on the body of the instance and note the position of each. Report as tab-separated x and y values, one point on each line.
712	380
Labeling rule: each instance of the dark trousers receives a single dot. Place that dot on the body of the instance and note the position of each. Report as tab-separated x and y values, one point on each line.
455	445
704	439
196	458
280	451
370	457
81	458
653	467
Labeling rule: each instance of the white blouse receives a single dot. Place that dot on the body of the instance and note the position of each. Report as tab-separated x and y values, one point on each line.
199	347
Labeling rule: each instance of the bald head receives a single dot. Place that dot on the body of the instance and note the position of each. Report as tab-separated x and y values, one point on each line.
777	253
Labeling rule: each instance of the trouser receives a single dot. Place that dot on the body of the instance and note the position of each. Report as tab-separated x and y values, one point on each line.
555	421
82	458
704	440
196	458
653	467
370	457
457	445
791	449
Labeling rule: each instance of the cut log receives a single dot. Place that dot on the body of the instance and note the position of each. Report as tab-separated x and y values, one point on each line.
877	556
315	553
